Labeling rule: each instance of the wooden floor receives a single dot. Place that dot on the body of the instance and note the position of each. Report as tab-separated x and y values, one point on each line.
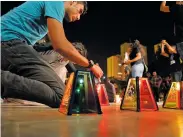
26	121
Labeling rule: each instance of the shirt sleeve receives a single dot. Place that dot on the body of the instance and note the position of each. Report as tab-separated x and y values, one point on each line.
55	9
137	50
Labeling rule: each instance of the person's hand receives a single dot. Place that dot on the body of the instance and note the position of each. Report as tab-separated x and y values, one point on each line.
163	42
127	62
97	71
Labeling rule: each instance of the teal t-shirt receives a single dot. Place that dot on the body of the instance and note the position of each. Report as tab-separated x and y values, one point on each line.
28	21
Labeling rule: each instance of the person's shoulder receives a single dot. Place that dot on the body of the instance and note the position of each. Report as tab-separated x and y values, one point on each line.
55	9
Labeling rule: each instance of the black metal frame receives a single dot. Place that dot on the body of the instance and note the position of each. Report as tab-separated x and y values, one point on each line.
99	111
138	94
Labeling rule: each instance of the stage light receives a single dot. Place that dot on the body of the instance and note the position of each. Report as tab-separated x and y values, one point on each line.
81	81
119	73
78	90
104	77
77	110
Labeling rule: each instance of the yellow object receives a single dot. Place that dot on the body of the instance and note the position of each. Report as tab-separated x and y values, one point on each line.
173	97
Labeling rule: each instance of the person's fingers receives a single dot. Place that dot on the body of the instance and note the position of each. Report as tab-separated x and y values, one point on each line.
97	71
99	80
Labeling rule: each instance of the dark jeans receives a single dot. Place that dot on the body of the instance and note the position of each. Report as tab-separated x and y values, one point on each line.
25	75
165	94
156	93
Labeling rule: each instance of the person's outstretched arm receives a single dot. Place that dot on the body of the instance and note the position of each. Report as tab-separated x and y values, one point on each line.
65	48
62	45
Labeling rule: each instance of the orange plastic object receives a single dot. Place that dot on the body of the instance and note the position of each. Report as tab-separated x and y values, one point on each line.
173	96
147	101
64	106
102	94
146	98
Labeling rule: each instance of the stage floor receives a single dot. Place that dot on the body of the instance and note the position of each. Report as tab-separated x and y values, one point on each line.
26	121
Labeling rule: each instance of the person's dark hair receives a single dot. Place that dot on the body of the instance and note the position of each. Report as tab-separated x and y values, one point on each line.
112	81
81	48
85	6
106	80
135	44
44	45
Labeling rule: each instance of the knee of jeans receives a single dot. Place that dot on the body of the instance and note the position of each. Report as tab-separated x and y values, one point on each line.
133	74
56	101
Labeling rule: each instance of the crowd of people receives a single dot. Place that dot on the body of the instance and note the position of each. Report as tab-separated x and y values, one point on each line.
160	85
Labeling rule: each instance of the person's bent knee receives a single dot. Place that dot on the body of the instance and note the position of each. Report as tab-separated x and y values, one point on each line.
57	98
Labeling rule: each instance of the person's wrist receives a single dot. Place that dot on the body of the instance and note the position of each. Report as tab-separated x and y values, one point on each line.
91	64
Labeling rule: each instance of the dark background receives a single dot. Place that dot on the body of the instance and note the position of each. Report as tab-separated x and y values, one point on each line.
108	24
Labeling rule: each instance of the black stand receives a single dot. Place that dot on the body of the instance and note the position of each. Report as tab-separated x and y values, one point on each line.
80	95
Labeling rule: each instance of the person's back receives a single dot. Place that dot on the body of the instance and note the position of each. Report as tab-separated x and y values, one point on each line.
136	60
132	55
28	21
